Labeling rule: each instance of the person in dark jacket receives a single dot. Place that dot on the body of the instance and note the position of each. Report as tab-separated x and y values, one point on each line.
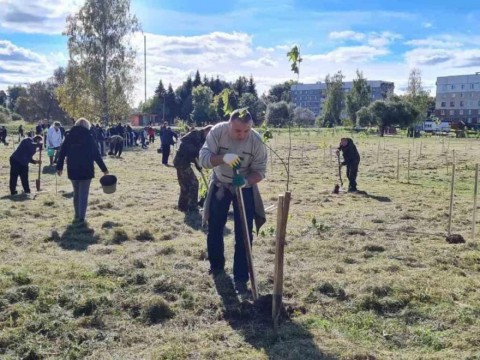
3	135
187	154
351	158
166	137
81	151
19	161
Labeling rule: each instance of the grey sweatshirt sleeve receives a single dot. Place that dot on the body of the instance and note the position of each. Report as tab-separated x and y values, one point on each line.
209	148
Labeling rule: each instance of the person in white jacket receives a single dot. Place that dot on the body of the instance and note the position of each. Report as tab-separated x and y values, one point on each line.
54	141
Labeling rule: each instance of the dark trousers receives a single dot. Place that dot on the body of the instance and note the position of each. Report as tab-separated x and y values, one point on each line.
151	139
165	154
216	225
352	171
80	197
16	170
101	147
116	149
188	199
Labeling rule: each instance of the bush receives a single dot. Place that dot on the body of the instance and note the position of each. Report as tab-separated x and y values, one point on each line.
16	117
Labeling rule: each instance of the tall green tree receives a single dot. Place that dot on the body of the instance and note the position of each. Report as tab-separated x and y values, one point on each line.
255	106
197	80
14	92
417	95
333	106
393	112
278	114
359	96
171	103
3	98
203	109
40	102
98	40
279	92
251	87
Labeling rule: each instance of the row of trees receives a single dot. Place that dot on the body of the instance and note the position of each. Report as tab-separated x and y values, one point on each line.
203	101
352	108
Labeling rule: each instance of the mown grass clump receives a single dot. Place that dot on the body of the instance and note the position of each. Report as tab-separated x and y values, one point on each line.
156	310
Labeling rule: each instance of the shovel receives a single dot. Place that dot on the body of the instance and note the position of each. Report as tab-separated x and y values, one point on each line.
37	182
246	241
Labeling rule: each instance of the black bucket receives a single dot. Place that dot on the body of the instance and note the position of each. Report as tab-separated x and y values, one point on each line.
109	183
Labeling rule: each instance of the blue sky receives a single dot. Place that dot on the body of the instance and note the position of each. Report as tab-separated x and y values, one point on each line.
385	40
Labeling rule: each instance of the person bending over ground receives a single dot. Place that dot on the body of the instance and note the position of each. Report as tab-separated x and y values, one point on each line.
351	158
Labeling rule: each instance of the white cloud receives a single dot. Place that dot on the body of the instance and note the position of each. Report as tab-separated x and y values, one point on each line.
427	25
427	56
261	62
349	53
33	16
19	65
434	42
382	39
265	49
346	35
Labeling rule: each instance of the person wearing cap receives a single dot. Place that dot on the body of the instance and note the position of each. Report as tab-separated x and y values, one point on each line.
19	161
187	153
238	157
81	152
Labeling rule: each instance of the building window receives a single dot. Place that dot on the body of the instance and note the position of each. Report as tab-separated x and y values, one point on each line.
453	96
463	86
444	104
442	112
469	120
460	112
461	103
451	112
452	103
452	87
472	86
461	94
469	112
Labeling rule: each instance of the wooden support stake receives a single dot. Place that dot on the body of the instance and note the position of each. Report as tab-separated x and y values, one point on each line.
450	211
282	218
271	161
398	165
247	243
378	151
330	153
408	168
475	188
421	148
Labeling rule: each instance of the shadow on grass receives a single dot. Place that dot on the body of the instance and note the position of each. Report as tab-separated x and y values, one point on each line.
16	198
49	169
194	220
67	195
78	237
374	197
254	322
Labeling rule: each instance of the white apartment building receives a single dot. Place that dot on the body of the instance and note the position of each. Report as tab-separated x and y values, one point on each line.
458	98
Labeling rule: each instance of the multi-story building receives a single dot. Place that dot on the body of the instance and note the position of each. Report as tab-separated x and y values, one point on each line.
458	98
312	96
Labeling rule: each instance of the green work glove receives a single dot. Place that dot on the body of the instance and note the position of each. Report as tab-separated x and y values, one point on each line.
239	181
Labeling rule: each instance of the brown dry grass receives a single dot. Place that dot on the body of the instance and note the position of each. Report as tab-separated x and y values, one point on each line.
367	276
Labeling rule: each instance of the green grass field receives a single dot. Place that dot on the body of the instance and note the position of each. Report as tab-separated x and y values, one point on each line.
367	276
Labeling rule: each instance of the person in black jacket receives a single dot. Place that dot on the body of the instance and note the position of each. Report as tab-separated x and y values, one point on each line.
351	158
19	161
81	151
187	154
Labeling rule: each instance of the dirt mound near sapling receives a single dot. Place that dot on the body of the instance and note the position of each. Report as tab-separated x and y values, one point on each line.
455	239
